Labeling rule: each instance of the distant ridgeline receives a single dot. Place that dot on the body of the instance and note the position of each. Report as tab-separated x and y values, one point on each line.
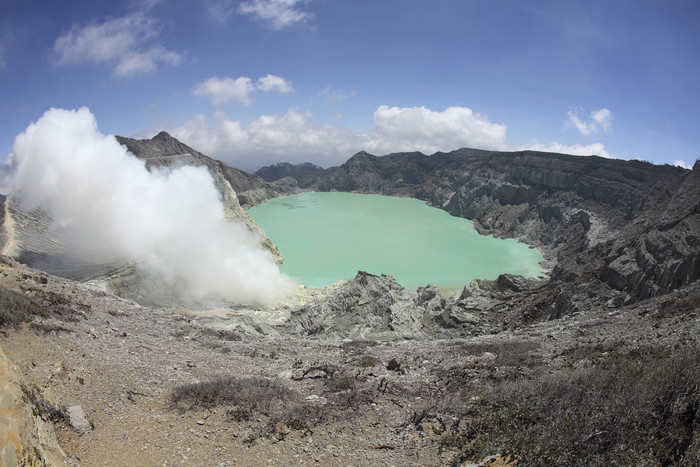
304	173
616	231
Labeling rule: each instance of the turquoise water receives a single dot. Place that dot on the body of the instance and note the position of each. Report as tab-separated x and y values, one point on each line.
325	237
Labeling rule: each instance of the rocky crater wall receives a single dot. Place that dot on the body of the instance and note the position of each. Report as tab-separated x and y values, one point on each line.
630	226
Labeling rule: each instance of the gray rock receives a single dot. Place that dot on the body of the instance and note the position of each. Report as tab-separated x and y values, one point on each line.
77	419
369	307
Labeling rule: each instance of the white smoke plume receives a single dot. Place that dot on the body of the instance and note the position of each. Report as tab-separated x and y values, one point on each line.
105	202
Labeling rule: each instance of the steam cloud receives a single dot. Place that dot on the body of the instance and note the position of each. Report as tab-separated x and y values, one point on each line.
170	222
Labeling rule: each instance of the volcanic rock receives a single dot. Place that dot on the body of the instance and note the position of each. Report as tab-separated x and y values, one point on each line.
631	225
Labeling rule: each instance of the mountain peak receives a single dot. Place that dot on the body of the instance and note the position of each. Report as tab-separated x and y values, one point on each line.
163	135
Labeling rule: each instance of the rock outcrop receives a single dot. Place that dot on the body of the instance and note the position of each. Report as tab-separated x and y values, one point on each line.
369	307
664	254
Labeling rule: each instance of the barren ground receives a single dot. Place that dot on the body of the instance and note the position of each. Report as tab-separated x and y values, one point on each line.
121	362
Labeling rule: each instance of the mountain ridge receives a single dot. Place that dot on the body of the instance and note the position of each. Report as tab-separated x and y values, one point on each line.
583	213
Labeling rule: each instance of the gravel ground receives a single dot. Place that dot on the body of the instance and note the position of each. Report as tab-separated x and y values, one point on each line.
360	402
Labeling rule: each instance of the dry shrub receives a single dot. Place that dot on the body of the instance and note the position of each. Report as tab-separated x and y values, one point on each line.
16	309
250	394
639	407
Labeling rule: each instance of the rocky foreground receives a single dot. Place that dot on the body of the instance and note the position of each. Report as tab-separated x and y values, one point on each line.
297	401
597	364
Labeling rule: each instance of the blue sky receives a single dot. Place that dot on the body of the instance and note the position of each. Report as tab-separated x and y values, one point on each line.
253	82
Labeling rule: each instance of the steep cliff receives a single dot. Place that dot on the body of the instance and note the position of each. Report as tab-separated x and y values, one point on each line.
237	188
630	224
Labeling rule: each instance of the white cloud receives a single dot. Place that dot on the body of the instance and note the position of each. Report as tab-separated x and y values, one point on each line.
220	10
269	138
600	121
428	131
279	14
293	137
240	90
271	83
226	90
681	163
593	149
124	43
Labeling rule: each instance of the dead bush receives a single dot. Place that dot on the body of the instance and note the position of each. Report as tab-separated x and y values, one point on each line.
367	361
16	309
250	394
639	407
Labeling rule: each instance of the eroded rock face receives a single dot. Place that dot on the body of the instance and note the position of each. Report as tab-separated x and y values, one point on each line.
165	151
368	307
630	224
665	256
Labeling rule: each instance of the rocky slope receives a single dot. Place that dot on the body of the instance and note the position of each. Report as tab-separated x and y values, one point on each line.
364	372
302	400
610	227
163	150
237	188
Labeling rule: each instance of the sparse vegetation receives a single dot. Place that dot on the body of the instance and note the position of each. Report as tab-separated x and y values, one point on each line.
251	394
638	407
367	361
16	309
40	406
50	328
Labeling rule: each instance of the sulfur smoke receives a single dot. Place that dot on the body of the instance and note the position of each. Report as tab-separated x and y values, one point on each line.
170	222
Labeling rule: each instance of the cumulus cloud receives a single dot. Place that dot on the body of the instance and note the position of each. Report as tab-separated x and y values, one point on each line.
124	43
600	121
428	131
226	90
170	222
240	90
279	14
269	138
682	163
274	83
294	138
593	149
